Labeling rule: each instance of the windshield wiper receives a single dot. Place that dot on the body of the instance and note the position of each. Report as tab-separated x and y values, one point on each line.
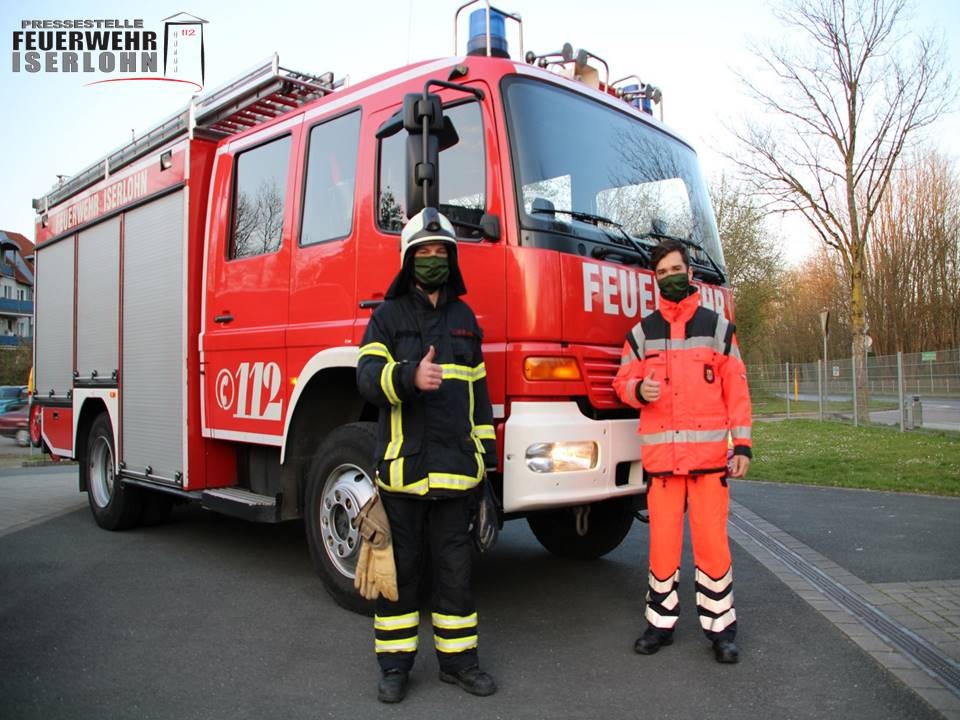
690	243
596	220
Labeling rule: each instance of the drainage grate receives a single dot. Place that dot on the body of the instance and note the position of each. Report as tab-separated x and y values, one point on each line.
927	657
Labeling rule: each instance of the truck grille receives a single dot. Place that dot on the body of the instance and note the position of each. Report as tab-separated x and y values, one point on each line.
599	376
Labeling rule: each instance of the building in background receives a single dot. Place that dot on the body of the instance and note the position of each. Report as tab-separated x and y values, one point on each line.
16	289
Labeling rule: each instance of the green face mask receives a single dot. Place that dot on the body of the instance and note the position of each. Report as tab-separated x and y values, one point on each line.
431	272
674	287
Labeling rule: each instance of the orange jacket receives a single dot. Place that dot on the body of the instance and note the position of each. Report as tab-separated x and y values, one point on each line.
693	354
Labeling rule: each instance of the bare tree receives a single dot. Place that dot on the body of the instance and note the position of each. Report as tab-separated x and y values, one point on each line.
913	261
804	290
842	112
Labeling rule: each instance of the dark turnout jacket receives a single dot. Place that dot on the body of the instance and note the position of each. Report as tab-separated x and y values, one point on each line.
437	442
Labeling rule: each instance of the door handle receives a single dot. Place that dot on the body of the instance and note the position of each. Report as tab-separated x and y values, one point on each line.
226	318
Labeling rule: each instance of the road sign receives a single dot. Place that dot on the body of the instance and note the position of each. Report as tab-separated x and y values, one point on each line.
836	371
928	356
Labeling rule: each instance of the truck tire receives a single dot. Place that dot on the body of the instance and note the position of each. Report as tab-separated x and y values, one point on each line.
115	505
339	483
607	525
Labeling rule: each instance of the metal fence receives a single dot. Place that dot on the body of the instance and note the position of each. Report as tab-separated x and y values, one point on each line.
906	389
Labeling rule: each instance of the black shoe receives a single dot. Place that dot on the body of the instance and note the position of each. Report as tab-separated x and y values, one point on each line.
393	686
726	651
474	680
652	640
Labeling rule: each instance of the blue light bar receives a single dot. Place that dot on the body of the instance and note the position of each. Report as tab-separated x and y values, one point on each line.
477	44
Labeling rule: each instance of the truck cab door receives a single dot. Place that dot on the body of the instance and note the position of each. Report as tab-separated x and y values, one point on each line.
470	185
247	293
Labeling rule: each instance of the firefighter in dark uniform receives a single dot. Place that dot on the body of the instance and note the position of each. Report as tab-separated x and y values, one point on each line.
681	367
422	365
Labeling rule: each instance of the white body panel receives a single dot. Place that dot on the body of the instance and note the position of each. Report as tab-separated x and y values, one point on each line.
538	422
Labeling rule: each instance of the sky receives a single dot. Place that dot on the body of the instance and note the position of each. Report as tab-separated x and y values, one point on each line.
52	123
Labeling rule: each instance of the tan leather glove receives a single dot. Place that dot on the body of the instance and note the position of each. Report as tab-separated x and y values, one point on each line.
376	568
360	579
384	571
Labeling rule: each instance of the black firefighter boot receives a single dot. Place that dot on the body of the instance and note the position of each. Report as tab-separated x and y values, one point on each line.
392	687
472	679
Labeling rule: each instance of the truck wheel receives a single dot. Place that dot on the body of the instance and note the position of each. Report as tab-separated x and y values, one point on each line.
607	525
339	483
115	506
35	436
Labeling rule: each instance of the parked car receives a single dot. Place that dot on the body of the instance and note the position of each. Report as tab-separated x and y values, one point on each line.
12	396
16	424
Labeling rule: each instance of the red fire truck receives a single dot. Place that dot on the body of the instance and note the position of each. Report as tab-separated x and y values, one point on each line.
202	291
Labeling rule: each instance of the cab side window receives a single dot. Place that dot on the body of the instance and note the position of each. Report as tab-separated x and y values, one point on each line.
331	171
258	199
462	174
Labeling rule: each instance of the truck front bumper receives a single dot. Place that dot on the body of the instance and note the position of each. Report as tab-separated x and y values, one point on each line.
535	429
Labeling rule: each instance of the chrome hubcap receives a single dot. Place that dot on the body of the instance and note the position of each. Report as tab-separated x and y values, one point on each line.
346	490
101	472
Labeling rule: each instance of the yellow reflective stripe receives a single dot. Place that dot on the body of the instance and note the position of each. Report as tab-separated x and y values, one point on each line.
420	487
452	371
386	383
403	645
396	622
396	432
434	481
375	348
455	645
485	432
473	428
449	481
454	622
396	474
457	372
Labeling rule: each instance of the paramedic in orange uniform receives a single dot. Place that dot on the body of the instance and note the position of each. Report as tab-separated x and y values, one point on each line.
681	367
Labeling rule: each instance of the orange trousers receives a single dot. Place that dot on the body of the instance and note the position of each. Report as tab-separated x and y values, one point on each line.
707	499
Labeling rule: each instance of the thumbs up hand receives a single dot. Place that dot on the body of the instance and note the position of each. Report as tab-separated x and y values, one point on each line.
650	388
429	374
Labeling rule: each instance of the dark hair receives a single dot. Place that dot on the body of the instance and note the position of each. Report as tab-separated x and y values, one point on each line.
665	248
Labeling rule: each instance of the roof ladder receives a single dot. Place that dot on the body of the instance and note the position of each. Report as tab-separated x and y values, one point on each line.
264	93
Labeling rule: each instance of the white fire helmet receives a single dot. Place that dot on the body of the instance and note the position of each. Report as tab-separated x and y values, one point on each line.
427	226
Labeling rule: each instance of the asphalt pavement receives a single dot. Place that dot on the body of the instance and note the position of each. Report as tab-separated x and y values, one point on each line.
211	617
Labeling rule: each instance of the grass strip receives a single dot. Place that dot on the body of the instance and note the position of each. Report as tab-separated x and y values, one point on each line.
840	455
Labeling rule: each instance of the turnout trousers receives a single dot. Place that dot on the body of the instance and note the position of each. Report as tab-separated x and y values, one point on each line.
707	499
436	529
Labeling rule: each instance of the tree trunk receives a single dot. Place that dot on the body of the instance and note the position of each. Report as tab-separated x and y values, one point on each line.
859	345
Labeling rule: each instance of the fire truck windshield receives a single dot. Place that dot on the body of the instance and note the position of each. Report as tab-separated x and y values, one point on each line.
587	174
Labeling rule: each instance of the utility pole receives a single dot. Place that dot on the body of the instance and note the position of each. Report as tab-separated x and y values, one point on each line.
825	327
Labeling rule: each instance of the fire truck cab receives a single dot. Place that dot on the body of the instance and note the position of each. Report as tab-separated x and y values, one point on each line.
202	291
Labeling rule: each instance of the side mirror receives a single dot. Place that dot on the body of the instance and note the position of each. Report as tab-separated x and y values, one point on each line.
490	226
416	109
429	133
423	121
423	176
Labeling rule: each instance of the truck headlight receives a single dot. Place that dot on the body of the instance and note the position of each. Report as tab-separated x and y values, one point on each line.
562	456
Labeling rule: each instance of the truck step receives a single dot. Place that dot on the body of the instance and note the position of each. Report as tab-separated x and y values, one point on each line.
241	503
